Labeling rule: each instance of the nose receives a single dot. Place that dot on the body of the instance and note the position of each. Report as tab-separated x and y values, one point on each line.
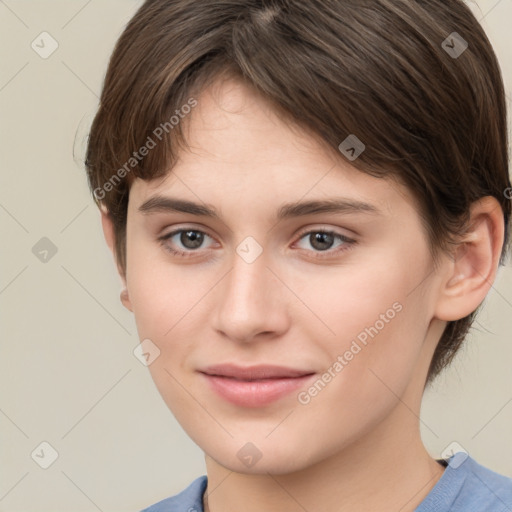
251	301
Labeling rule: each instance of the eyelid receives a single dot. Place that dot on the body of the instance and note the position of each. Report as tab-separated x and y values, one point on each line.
323	229
187	227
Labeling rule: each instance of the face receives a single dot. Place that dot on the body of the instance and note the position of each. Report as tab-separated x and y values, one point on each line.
343	295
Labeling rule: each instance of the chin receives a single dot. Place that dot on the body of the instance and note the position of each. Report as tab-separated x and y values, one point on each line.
261	458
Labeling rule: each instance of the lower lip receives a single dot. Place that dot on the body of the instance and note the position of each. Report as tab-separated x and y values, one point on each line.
255	393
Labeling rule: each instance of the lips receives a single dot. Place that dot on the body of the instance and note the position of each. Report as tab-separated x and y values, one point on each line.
251	373
254	386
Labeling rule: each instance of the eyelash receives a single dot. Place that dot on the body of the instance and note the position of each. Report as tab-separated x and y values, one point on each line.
328	253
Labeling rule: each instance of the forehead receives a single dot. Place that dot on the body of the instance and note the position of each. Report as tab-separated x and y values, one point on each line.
242	149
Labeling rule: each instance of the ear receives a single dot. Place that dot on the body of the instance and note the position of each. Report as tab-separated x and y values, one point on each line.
108	232
471	272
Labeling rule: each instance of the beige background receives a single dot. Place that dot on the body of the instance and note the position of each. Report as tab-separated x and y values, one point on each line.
68	375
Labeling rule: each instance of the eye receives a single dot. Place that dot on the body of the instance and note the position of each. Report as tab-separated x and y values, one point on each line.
190	240
187	241
323	240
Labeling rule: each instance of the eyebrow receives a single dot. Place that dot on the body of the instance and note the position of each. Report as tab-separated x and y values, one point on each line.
159	204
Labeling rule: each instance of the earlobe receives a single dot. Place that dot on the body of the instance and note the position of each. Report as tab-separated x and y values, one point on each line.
125	299
472	271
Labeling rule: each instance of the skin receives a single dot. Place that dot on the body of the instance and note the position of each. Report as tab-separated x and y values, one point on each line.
356	445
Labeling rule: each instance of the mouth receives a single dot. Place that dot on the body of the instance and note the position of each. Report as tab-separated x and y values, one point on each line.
254	386
259	372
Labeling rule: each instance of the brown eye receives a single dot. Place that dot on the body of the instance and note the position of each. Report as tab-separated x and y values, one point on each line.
192	237
322	241
183	242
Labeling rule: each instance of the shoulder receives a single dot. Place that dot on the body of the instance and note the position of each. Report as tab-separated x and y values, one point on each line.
488	490
188	500
468	486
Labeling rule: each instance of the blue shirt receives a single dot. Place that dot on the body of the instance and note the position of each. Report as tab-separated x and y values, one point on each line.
465	486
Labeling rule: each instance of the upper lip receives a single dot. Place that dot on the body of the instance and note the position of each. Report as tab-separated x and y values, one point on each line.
254	372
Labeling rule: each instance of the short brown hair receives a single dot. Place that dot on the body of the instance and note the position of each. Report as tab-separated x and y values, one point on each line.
379	69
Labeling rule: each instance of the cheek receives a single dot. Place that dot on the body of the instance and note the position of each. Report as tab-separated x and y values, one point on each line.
160	293
353	299
370	322
370	360
162	303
